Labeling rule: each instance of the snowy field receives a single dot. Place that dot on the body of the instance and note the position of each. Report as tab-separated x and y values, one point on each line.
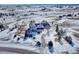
40	29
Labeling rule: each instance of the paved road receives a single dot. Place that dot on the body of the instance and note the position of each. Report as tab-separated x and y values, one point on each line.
17	50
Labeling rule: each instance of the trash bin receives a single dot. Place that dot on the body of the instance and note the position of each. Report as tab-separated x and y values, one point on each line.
50	46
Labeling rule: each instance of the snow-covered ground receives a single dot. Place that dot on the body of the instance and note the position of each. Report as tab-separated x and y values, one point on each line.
17	20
